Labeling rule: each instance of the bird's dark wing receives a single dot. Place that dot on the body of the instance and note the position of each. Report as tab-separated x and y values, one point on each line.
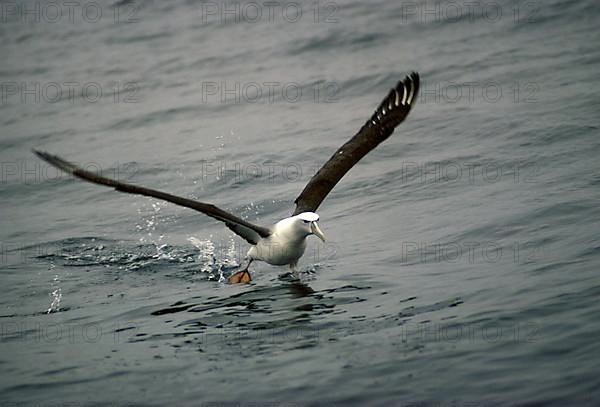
252	233
390	113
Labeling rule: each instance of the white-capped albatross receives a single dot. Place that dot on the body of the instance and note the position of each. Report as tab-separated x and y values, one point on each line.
284	242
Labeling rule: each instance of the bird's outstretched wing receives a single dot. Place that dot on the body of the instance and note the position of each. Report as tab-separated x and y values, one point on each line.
390	113
249	231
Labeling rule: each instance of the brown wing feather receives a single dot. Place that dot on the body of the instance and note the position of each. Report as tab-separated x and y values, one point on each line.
249	231
390	113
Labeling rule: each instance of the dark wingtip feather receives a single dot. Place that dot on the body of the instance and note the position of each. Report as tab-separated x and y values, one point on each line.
55	161
397	104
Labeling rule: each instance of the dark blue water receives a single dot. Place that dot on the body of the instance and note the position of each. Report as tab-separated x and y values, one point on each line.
463	254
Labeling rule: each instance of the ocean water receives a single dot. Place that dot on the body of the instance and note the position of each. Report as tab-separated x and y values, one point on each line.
462	261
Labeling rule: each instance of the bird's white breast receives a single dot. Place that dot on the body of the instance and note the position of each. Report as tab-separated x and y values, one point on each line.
285	246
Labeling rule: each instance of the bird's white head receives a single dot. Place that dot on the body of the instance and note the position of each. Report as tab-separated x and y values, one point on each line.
306	222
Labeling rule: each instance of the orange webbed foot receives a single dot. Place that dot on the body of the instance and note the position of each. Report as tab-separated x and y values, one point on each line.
240	277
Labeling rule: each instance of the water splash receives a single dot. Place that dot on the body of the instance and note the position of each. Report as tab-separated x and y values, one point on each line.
56	293
148	223
206	257
214	262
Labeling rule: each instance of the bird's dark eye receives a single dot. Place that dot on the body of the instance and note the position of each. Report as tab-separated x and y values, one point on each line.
305	221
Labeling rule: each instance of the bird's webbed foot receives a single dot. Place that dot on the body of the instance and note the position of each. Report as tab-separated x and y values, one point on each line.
242	276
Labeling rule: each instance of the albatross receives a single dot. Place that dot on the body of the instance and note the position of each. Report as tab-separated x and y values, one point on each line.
284	242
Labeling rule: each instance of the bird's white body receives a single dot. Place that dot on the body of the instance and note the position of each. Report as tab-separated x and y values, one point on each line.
288	241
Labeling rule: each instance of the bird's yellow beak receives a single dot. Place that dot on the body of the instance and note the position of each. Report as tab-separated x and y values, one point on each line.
317	231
